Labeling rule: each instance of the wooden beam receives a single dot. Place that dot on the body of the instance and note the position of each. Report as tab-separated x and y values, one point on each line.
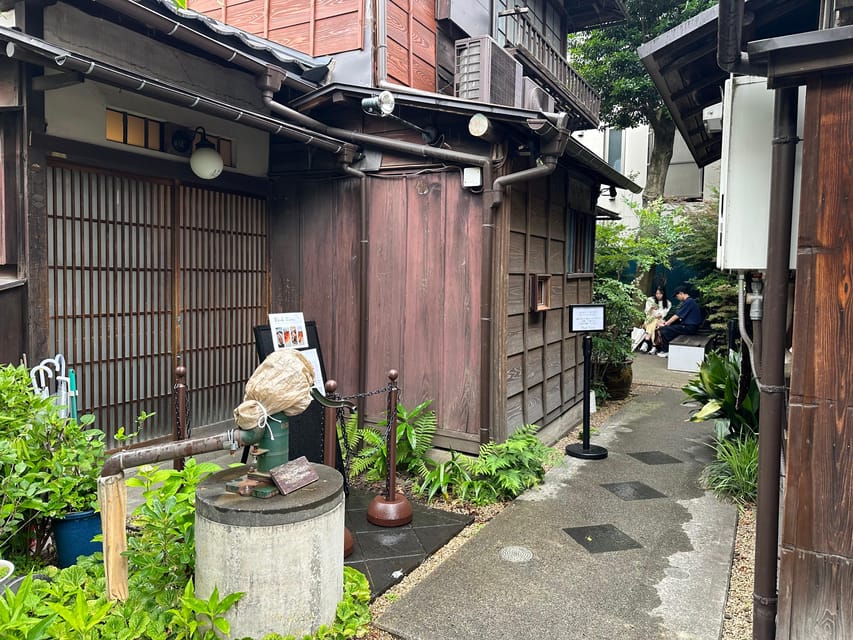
56	81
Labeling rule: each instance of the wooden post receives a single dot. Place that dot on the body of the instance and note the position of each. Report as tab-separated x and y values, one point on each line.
112	497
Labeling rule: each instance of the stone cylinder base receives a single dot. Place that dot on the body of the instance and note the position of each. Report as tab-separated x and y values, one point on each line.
283	552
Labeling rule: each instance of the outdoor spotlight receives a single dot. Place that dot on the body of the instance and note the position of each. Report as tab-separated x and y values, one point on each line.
381	105
205	161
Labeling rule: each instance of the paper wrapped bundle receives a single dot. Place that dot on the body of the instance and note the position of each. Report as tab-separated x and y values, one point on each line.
282	382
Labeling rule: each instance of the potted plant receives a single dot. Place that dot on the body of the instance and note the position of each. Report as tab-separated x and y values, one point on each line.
50	466
611	348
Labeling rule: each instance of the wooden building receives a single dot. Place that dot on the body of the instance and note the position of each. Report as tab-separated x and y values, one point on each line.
806	43
445	239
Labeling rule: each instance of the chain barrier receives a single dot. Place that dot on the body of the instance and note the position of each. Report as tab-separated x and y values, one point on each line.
342	421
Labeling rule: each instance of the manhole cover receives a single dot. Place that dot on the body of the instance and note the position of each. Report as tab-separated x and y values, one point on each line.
516	554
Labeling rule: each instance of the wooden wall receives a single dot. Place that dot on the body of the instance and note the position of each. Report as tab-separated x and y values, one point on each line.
543	361
12	329
314	27
411	49
816	571
424	263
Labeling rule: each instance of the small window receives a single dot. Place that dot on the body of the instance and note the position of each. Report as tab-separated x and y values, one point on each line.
580	242
614	148
540	292
137	131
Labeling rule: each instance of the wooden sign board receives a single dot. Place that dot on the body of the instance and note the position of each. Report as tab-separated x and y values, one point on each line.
293	475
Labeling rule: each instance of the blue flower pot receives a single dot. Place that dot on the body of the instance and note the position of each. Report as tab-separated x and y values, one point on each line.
73	535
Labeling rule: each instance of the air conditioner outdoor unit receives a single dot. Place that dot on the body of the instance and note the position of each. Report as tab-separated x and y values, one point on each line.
486	73
535	97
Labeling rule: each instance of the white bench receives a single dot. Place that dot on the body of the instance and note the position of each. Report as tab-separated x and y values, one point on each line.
687	352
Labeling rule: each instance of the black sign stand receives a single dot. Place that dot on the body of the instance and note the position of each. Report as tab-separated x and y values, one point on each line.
586	450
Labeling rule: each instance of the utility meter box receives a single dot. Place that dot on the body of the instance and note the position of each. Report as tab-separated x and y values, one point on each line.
745	174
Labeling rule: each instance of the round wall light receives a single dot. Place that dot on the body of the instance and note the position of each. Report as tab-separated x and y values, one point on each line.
205	161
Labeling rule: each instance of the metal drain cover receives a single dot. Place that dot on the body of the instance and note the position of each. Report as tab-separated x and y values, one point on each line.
516	554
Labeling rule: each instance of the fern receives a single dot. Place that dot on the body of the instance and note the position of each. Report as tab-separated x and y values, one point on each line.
415	431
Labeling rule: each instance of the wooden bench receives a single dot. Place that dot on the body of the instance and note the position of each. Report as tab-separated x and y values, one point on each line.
687	352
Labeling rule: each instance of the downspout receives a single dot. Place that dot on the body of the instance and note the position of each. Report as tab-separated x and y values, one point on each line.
729	32
773	390
487	339
772	362
363	309
381	42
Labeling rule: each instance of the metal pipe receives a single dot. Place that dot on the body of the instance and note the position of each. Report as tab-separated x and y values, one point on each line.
363	280
487	361
409	148
230	440
730	58
381	41
180	31
772	415
63	59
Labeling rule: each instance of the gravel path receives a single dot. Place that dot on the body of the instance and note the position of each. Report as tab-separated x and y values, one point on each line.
737	624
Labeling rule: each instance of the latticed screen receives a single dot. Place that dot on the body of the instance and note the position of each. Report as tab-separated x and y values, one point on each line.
140	270
223	267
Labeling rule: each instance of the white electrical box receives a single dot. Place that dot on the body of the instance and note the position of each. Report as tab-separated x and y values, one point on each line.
472	177
745	174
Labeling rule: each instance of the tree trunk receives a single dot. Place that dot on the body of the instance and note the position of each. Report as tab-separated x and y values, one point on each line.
664	135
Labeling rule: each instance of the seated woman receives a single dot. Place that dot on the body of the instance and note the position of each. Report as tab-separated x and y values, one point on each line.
657	307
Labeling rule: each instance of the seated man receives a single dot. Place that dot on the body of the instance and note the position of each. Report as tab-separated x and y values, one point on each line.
685	321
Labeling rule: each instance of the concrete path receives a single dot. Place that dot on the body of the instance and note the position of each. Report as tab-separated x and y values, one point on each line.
625	548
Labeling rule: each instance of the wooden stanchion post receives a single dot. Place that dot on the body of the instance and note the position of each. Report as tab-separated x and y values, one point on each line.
112	497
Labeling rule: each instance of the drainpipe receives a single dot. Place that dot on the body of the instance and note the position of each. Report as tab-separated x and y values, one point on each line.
381	42
729	33
549	164
230	440
363	309
773	390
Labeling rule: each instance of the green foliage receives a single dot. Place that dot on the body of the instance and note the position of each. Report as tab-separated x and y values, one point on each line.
49	464
716	389
607	58
200	619
733	474
697	247
499	472
415	430
161	550
717	293
648	245
621	312
72	605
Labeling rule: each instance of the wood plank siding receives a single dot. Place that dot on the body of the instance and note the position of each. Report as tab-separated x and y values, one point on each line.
411	50
314	27
543	361
329	27
423	272
816	571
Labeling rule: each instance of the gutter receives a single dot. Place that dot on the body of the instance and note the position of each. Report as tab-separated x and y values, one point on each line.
185	34
32	50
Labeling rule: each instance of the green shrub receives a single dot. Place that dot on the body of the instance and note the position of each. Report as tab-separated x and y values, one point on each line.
733	474
499	472
415	430
72	603
717	388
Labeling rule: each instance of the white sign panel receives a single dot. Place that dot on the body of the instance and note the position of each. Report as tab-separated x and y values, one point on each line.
586	317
